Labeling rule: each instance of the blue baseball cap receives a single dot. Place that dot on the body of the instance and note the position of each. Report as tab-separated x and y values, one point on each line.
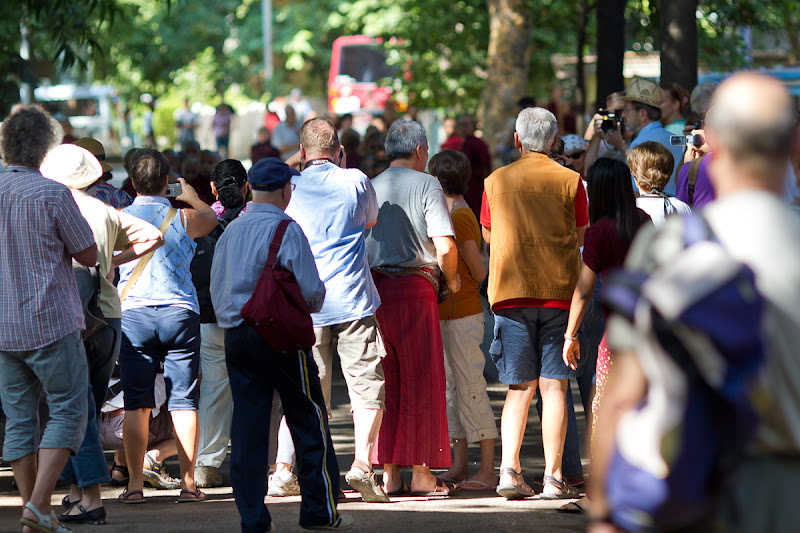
270	174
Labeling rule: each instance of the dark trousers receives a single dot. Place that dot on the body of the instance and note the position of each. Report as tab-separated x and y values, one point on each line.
255	371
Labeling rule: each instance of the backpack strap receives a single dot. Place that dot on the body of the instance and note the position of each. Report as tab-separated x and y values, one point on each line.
694	169
275	245
139	268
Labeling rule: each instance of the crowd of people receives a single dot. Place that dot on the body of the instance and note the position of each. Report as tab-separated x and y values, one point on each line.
390	262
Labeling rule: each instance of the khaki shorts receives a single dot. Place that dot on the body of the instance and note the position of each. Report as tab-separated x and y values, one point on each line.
360	348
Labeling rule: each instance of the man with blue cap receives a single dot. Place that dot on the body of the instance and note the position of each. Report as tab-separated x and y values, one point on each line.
256	370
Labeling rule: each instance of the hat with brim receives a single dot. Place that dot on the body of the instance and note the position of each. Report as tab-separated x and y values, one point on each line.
643	91
96	148
72	166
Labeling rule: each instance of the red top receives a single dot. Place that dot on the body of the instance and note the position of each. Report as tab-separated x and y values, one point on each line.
581	220
602	247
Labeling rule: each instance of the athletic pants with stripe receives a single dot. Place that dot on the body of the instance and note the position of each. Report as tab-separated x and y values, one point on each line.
255	371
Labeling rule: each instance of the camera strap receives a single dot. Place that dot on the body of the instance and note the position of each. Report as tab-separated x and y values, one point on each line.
694	170
137	271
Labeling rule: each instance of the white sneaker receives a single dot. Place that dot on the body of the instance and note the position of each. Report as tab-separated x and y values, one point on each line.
283	483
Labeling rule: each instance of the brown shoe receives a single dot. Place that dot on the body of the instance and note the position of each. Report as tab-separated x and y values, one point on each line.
512	486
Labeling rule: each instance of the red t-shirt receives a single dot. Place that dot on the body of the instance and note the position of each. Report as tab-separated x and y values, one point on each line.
581	219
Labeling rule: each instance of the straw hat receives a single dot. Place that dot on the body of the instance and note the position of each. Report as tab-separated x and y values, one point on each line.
71	165
97	150
643	91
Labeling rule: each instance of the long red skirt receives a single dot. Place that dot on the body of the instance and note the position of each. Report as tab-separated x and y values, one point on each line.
414	429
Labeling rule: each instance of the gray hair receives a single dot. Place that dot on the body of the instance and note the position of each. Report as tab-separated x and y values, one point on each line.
700	100
28	133
537	129
403	138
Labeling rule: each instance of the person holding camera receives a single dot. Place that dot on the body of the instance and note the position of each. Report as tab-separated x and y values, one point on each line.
161	320
605	122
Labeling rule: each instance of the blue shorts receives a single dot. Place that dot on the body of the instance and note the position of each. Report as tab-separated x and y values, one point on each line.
152	336
527	344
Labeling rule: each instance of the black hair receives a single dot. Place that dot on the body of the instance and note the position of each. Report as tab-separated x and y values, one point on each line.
229	176
452	169
611	196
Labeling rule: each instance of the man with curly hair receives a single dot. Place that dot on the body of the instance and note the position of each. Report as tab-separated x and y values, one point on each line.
41	231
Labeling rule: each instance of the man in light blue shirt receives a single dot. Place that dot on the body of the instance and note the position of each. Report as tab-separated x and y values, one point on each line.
641	115
256	370
334	206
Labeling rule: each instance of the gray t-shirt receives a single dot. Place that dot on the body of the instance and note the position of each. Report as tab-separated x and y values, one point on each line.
413	210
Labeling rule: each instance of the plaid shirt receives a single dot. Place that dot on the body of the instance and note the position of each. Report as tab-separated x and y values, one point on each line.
40	229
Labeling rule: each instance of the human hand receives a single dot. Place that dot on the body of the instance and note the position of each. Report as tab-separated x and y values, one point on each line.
571	353
614	138
703	149
188	194
597	120
455	284
295	161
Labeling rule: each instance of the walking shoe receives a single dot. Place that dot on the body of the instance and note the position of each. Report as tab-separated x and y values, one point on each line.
156	476
96	517
362	478
345	521
207	477
283	483
512	486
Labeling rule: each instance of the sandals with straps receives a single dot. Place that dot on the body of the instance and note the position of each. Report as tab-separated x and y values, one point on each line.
44	522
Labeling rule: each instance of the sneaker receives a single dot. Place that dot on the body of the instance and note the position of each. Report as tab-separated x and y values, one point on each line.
283	483
207	477
345	521
512	486
362	478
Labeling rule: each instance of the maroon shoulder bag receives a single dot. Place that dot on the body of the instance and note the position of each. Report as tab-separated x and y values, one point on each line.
277	310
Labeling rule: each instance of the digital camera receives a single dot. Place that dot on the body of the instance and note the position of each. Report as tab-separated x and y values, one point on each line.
610	119
686	140
173	190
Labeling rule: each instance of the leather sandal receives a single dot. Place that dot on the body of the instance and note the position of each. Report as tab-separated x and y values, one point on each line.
565	491
517	489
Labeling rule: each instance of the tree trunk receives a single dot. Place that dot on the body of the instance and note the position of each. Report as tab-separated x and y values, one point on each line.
610	47
679	42
508	63
580	75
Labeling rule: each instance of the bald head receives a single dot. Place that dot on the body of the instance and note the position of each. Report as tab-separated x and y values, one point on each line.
319	138
752	117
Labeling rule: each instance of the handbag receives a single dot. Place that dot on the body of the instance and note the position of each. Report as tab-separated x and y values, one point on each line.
98	337
276	309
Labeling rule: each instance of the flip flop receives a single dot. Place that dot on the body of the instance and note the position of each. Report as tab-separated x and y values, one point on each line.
448	479
125	497
475	485
443	488
571	508
404	490
197	496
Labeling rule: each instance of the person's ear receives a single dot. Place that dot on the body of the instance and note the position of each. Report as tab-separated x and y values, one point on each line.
517	142
214	190
302	153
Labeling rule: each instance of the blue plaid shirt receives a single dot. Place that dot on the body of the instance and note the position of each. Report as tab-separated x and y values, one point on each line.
41	227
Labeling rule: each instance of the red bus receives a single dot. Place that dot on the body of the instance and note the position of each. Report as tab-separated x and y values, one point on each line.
358	63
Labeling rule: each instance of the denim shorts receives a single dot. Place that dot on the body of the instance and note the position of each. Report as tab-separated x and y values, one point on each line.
59	371
527	344
152	336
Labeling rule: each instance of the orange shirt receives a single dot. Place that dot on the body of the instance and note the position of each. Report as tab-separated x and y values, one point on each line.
466	302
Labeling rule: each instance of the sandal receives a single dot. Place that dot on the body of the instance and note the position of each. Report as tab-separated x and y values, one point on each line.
125	497
517	489
68	504
442	488
362	478
96	517
197	496
44	523
404	490
122	470
156	476
565	491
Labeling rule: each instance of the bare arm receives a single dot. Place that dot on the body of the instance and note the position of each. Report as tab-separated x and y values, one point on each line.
624	390
447	257
87	257
487	234
581	233
468	250
580	302
201	219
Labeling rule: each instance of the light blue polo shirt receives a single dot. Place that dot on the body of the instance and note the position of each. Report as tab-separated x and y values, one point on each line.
333	206
656	132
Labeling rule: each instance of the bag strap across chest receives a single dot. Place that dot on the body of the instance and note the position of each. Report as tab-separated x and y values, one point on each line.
275	245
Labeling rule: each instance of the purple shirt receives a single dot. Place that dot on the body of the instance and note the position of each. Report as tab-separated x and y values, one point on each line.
41	227
703	190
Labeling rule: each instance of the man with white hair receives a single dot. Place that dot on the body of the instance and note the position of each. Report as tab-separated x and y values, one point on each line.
751	131
534	215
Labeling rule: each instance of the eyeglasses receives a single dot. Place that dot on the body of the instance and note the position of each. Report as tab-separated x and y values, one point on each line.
293	185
